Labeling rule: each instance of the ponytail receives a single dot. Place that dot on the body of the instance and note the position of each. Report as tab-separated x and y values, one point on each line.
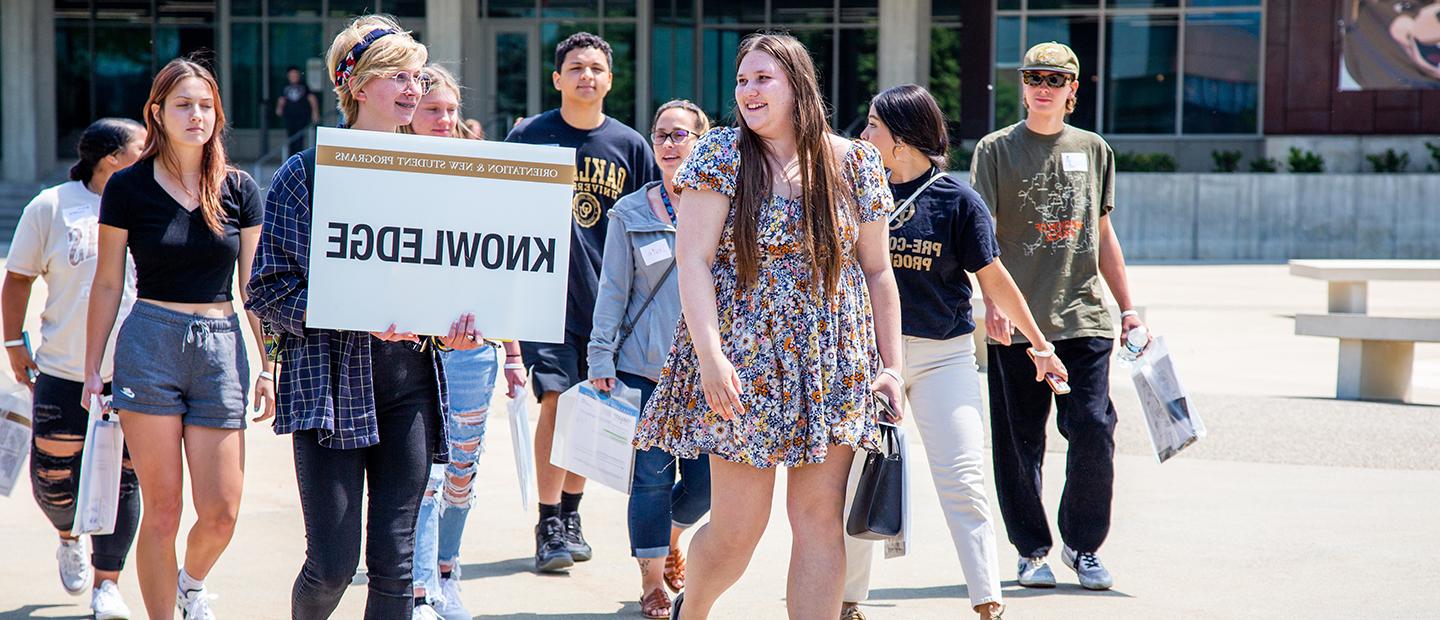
102	138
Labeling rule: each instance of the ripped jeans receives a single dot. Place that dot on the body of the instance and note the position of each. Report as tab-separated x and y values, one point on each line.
471	377
56	446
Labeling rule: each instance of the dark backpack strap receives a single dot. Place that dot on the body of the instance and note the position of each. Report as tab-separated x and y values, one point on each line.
626	329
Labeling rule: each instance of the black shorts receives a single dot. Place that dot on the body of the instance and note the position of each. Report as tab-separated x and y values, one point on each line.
554	367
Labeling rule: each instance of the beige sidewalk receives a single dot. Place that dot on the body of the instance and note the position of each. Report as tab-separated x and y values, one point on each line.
1297	506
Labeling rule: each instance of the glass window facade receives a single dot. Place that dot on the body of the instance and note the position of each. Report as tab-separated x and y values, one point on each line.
842	36
1148	67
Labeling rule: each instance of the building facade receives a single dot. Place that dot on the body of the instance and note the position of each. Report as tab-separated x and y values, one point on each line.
1177	76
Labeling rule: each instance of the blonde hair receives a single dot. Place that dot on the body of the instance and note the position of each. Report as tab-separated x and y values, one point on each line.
702	122
441	78
393	52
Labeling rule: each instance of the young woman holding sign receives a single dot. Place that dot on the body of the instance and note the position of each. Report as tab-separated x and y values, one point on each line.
363	408
56	240
636	311
782	254
470	379
942	230
188	219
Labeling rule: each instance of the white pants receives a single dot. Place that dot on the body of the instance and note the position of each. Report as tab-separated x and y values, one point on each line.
942	385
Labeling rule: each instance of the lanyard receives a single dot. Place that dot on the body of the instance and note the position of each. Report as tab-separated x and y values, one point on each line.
901	209
669	208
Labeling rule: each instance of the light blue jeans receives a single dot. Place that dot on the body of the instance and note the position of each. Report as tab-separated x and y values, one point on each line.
471	377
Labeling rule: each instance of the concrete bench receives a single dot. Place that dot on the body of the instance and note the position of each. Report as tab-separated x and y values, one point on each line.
1377	354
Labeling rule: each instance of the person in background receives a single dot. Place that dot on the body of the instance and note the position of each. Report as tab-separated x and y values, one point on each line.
611	160
635	316
1051	187
470	379
57	240
298	108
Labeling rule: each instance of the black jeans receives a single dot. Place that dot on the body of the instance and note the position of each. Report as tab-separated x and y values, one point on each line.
331	487
55	470
1019	411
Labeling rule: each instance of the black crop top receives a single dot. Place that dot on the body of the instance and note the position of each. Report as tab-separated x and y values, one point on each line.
177	257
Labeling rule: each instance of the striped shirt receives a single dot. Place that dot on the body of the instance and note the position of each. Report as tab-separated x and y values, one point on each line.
325	381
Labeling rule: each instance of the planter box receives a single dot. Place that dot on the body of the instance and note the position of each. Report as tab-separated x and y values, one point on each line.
1276	217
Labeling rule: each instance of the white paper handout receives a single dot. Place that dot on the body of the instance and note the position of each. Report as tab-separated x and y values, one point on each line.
15	429
593	431
523	442
99	493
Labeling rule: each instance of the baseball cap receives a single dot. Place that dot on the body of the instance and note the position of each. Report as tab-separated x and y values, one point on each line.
1051	56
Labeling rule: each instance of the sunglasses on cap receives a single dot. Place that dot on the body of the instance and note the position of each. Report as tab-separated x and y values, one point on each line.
1053	80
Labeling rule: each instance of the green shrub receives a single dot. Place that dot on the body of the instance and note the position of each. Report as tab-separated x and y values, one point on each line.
960	159
1305	161
1434	156
1389	161
1144	162
1226	161
1264	164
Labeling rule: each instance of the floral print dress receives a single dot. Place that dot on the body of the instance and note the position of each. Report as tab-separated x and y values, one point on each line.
805	361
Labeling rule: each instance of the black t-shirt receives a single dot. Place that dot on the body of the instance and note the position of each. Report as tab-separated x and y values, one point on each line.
297	104
611	161
944	233
177	257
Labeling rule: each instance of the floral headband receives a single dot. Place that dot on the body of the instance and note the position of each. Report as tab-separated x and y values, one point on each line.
347	66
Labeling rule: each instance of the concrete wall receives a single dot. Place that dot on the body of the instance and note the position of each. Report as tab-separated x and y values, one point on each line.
1347	153
1274	217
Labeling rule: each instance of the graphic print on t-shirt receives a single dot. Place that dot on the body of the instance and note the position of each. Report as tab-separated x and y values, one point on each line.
596	176
1059	201
81	242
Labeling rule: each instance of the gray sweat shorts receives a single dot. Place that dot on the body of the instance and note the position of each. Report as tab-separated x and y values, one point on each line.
172	363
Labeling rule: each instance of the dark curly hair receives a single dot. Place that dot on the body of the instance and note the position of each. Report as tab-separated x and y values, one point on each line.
103	137
582	40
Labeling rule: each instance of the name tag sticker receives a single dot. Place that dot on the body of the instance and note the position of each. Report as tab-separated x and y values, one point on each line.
77	213
655	252
1075	162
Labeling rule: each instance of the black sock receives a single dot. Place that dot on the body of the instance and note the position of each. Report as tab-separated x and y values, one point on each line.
549	510
444	574
420	600
570	502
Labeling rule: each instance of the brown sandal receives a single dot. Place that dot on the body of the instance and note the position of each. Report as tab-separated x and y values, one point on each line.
655	605
675	570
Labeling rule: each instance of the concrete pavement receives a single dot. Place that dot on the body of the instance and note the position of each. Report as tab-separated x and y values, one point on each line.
1296	506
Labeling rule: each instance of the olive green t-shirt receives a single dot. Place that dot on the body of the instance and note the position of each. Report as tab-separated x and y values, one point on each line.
1047	194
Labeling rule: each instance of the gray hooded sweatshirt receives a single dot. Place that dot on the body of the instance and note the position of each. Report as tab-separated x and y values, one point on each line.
639	247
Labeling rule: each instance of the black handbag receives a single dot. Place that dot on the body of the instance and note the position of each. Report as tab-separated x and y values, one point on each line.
878	511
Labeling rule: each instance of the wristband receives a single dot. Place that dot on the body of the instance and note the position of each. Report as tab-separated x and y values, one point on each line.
18	342
893	373
509	356
514	367
1050	352
265	374
1129	313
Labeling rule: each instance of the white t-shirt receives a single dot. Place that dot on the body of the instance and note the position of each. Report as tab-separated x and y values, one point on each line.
58	238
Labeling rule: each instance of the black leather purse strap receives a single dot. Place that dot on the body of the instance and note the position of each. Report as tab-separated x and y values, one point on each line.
629	327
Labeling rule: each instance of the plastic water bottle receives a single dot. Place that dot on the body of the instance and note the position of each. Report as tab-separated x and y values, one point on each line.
1135	342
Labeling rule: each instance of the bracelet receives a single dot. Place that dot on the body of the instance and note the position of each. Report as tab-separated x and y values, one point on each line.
265	374
18	342
514	367
1129	313
515	356
1050	352
893	373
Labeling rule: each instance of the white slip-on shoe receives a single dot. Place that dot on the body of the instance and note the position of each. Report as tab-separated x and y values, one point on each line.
74	559
106	603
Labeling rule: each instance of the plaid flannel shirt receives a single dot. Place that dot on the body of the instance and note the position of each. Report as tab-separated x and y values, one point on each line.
325	380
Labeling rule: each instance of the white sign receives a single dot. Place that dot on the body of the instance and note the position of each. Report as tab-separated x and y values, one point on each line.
417	230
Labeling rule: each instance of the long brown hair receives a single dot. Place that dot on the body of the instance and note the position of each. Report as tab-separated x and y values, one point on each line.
214	165
820	179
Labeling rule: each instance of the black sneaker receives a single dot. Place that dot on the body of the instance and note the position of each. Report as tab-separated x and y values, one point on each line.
551	556
575	543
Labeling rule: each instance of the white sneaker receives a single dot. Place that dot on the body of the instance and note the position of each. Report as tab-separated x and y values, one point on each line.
424	612
194	604
74	559
105	601
450	606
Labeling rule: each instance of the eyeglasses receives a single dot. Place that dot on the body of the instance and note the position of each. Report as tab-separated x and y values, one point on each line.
422	81
678	136
1053	80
